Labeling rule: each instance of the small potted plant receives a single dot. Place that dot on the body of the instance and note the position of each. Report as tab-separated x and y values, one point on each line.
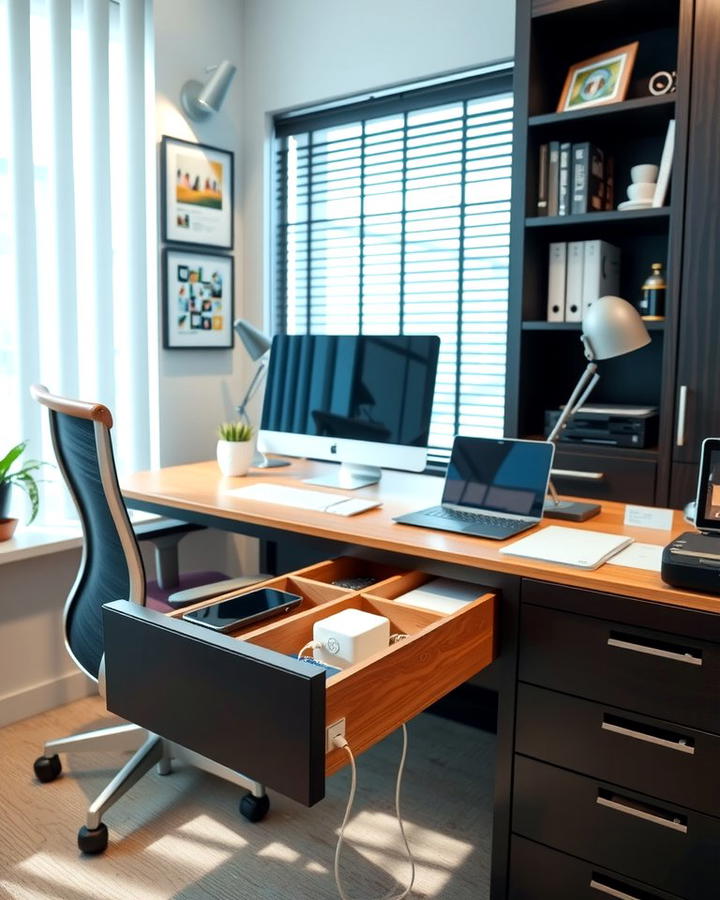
235	448
22	478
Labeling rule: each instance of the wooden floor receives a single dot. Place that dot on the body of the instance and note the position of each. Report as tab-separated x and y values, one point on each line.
181	836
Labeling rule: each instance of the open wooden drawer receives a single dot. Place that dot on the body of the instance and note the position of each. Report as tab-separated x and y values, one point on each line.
247	702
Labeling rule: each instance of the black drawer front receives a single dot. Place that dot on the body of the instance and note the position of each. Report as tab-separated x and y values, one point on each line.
539	873
623	477
659	758
675	849
663	675
246	707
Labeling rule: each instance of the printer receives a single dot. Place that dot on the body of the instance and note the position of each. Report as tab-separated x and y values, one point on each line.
692	560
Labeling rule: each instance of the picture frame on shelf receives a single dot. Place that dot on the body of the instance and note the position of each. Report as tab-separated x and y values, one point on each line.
601	79
197	194
198	300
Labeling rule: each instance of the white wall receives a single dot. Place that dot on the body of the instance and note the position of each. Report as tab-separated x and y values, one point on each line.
301	52
198	388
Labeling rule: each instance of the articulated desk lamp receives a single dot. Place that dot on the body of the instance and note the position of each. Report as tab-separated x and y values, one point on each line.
257	346
610	328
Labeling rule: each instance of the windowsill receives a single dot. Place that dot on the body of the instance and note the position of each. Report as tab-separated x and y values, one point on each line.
42	540
39	540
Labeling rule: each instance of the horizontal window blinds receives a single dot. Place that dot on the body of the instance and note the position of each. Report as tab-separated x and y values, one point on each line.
396	220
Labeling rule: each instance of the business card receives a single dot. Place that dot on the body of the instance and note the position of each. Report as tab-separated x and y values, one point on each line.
649	517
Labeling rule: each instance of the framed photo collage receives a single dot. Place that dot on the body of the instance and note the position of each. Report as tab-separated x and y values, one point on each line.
197	219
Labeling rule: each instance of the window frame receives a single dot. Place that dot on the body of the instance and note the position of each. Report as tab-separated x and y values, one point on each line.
492	81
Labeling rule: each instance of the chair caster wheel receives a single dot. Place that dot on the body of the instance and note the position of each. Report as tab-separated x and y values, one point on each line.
93	840
254	808
47	768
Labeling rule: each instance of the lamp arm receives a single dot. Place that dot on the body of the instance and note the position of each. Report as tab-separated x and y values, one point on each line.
255	383
586	383
588	390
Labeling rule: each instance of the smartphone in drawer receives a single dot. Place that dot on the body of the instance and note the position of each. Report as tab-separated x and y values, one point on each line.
248	703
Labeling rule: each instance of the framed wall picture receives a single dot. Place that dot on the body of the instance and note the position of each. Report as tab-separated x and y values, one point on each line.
197	300
601	79
197	194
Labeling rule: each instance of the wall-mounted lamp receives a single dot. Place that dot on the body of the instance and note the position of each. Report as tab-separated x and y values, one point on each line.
201	100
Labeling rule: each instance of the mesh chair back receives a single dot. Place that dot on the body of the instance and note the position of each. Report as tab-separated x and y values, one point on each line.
111	566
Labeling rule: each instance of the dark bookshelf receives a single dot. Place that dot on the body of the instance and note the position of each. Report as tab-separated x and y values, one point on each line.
647	109
542	325
619	216
545	359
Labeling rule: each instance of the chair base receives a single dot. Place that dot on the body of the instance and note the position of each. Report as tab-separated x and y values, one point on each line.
150	750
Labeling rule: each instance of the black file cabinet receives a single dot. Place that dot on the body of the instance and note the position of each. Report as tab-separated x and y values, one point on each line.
617	750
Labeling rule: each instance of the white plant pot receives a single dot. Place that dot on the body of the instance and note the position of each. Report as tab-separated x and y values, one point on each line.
234	457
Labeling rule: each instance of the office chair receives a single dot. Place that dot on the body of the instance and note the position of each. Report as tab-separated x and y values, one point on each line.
111	569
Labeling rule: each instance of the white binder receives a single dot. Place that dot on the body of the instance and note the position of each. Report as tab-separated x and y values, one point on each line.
574	281
556	282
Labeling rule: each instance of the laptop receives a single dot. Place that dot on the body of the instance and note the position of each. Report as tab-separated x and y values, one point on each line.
494	488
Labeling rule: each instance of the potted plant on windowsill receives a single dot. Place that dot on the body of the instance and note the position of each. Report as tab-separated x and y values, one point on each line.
235	448
22	478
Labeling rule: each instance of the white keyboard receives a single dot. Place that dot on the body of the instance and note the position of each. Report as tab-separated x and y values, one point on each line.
321	501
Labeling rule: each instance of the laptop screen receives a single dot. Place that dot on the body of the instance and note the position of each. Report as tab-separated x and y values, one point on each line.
503	476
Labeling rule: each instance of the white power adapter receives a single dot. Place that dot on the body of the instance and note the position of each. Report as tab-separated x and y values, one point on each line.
349	637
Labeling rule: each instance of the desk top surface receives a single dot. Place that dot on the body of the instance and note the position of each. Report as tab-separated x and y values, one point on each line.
201	488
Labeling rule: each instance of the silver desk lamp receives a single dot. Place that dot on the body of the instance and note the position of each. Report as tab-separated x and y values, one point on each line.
257	345
611	327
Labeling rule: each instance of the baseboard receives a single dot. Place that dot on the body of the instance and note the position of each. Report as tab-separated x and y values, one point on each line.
47	695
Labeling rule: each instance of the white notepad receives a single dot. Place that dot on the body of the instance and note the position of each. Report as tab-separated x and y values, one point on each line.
583	549
442	595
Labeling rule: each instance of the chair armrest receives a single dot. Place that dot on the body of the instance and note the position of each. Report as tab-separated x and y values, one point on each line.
165	534
206	591
160	528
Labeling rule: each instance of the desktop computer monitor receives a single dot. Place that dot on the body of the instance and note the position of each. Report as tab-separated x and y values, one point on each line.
362	400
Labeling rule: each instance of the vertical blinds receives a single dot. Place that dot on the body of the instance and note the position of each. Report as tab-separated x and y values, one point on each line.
393	217
72	220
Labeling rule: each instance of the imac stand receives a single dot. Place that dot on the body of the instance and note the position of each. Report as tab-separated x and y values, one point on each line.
349	476
260	461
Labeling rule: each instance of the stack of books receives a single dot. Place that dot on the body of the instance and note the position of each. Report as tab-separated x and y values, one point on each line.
579	273
574	178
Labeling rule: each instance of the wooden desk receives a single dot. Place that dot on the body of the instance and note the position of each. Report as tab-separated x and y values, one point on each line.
200	490
609	721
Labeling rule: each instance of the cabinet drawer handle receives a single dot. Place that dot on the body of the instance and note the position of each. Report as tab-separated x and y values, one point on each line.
641	811
636	731
630	642
578	475
682	410
602	888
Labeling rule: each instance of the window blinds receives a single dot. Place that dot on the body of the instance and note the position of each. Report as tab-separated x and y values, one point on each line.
73	241
393	216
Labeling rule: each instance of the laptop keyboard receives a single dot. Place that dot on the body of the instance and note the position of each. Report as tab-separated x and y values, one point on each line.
455	515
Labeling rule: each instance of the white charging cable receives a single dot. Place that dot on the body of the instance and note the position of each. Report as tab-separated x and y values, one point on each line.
311	645
341	743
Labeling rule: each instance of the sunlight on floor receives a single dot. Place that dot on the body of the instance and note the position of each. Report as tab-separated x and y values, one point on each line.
436	854
69	874
211	831
280	852
196	856
316	867
20	892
